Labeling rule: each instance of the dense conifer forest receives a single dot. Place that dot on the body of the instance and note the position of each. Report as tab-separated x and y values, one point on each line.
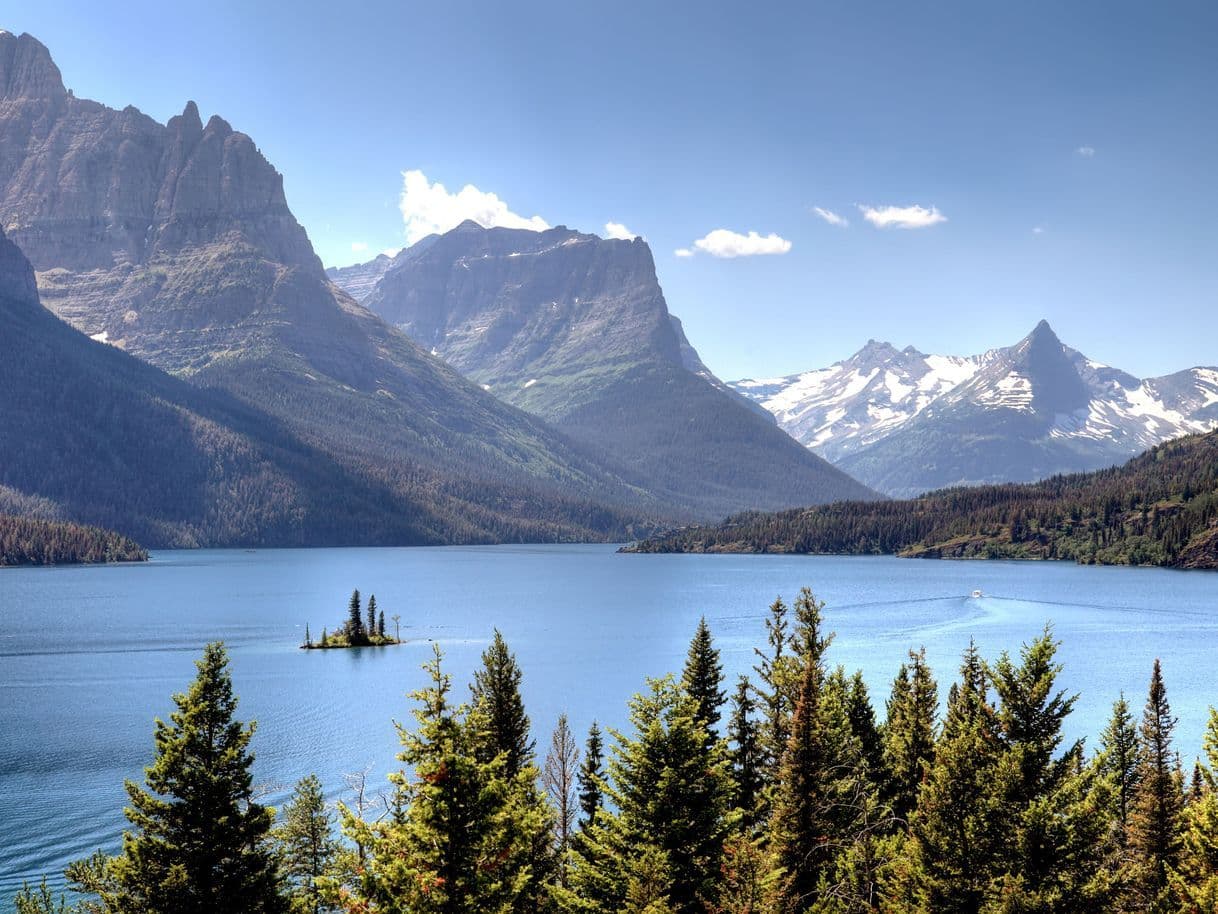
27	541
785	794
1161	508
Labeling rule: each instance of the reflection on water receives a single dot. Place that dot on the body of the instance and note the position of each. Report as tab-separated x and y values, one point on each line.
89	656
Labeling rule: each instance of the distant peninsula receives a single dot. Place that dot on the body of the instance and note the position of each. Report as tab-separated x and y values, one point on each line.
28	541
362	629
1160	508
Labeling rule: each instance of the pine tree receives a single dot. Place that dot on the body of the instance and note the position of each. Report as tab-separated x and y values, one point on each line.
355	620
909	734
744	741
1195	878
462	842
380	625
496	694
669	819
776	674
560	777
308	638
703	677
863	725
198	842
370	627
591	777
1120	757
306	846
1158	801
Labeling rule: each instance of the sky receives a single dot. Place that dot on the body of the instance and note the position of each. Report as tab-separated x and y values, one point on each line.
941	174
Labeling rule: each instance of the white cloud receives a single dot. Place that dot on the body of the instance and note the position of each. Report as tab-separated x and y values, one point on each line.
429	208
831	217
726	243
358	247
391	252
1087	152
619	231
905	217
1038	230
683	252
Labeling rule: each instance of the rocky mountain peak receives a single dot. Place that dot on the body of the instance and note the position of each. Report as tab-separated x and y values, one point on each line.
27	70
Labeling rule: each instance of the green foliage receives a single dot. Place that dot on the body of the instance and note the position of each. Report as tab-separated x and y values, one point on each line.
496	696
592	777
40	900
306	846
198	841
744	741
1158	509
909	733
703	677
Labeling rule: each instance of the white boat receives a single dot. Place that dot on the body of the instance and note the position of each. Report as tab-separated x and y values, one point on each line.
977	594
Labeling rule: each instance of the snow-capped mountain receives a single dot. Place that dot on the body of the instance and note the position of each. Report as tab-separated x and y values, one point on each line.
904	422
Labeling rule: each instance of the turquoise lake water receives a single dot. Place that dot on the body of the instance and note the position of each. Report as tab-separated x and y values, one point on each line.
89	656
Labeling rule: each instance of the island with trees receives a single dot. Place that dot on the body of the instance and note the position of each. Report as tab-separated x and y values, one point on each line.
363	628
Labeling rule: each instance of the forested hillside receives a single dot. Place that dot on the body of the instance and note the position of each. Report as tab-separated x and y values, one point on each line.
27	541
1159	509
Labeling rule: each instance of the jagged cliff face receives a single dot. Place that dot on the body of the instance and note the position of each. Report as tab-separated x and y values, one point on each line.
575	329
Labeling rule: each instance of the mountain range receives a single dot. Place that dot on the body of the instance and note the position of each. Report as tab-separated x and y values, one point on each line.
905	422
574	329
175	244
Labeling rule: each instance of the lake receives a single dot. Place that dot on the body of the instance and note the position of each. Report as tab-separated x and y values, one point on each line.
90	655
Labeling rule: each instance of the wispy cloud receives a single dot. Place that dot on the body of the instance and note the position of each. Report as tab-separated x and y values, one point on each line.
1087	152
727	244
358	247
428	208
619	231
903	217
1038	230
831	217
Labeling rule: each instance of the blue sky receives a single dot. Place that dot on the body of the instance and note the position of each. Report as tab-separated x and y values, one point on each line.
1068	150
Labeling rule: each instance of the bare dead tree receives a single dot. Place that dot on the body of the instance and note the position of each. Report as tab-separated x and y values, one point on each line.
559	779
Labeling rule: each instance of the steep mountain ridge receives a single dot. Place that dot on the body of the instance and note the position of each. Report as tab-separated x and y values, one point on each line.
175	243
906	422
575	329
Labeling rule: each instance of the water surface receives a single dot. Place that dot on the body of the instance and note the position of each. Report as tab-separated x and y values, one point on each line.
89	656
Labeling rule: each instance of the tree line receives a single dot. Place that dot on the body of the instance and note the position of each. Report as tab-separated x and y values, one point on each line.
1161	508
30	541
784	793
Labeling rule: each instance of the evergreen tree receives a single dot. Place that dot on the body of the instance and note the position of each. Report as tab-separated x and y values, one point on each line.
496	695
703	677
1154	819
909	733
956	828
462	841
863	725
776	674
1120	759
380	625
198	842
370	627
306	846
669	819
1195	877
591	777
40	900
308	637
355	619
745	752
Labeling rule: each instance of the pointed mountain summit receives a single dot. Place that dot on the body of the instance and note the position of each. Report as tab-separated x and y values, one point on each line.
575	329
905	423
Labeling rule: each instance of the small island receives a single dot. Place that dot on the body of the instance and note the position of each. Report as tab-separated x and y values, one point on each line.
360	629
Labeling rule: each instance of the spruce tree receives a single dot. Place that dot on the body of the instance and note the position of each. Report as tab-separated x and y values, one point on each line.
380	625
306	846
775	674
591	777
703	677
198	841
462	842
668	819
370	627
909	734
496	695
1195	877
1154	820
863	725
1120	759
744	741
355	619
